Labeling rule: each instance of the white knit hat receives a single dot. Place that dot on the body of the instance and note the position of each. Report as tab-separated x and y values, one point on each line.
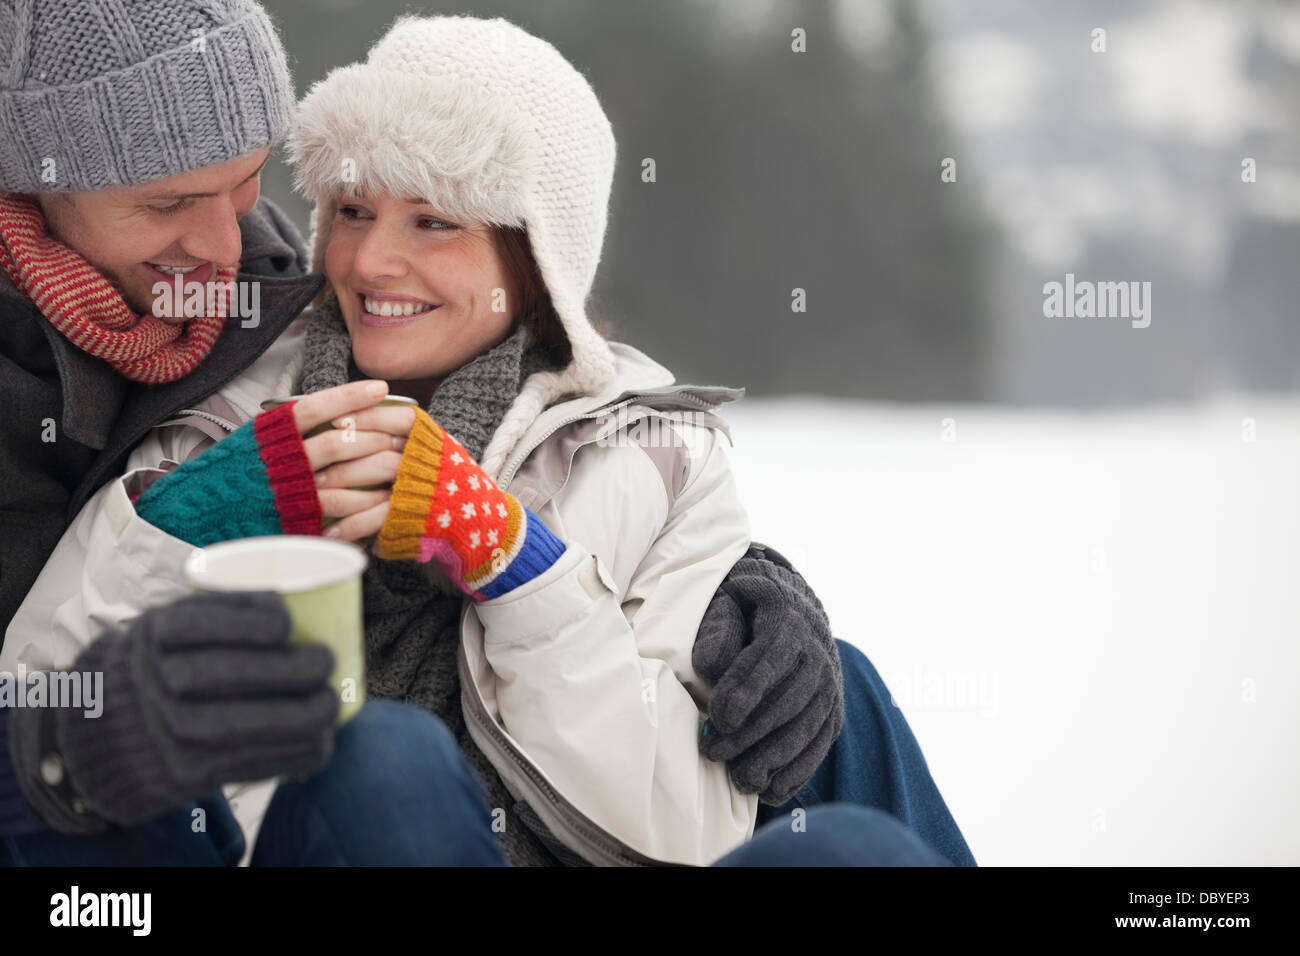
489	124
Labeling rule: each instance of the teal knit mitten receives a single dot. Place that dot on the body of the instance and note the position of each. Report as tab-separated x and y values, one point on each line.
257	481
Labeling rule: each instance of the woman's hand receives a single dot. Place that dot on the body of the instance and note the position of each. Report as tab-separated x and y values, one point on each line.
445	508
356	461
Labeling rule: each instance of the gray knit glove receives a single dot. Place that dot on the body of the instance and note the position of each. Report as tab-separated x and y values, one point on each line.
778	691
197	694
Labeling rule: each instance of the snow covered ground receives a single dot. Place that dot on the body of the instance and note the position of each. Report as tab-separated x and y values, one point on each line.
1090	620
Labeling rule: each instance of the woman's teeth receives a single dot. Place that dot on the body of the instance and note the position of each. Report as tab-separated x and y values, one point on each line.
375	307
174	270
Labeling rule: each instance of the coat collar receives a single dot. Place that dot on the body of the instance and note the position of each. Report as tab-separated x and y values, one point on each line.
636	376
92	390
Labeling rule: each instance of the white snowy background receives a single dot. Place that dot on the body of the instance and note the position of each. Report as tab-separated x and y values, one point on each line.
1089	620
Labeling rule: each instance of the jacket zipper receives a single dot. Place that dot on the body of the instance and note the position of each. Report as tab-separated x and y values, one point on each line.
208	416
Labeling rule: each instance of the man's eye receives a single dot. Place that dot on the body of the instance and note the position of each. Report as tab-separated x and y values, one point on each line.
172	209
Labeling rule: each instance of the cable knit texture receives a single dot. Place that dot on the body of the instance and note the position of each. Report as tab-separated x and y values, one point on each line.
99	93
446	509
255	482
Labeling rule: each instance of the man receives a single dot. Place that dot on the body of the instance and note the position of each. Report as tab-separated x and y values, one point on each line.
140	131
132	137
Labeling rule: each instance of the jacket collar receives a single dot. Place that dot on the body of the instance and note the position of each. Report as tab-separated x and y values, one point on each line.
92	390
636	376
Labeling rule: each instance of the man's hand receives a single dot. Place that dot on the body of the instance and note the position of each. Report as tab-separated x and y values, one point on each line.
197	694
778	691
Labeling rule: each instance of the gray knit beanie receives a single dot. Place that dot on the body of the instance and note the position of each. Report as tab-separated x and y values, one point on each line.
98	93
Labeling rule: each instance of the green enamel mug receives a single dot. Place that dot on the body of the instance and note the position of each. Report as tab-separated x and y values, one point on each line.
319	581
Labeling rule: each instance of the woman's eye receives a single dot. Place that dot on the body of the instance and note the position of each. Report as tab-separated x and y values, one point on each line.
428	222
349	212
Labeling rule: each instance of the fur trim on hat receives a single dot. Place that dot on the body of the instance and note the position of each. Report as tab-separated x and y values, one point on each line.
464	151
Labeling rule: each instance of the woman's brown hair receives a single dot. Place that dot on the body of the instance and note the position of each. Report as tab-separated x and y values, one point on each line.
533	303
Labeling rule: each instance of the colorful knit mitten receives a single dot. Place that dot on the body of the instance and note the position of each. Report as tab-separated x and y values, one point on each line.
257	481
446	509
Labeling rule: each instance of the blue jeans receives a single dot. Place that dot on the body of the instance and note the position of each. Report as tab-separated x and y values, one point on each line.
834	834
876	762
397	791
435	813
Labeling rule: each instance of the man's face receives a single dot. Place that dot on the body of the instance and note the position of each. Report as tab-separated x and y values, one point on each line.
137	236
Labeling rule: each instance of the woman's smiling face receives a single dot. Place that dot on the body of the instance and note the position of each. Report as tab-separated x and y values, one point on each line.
416	289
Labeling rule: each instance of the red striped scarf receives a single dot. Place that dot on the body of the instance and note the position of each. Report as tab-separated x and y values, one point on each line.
85	307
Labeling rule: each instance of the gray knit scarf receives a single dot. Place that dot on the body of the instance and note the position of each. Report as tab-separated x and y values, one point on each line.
413	626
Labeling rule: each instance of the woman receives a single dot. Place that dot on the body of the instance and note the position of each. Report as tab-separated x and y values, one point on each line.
575	595
589	712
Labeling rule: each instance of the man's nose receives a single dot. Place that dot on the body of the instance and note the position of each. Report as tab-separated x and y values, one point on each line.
215	235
